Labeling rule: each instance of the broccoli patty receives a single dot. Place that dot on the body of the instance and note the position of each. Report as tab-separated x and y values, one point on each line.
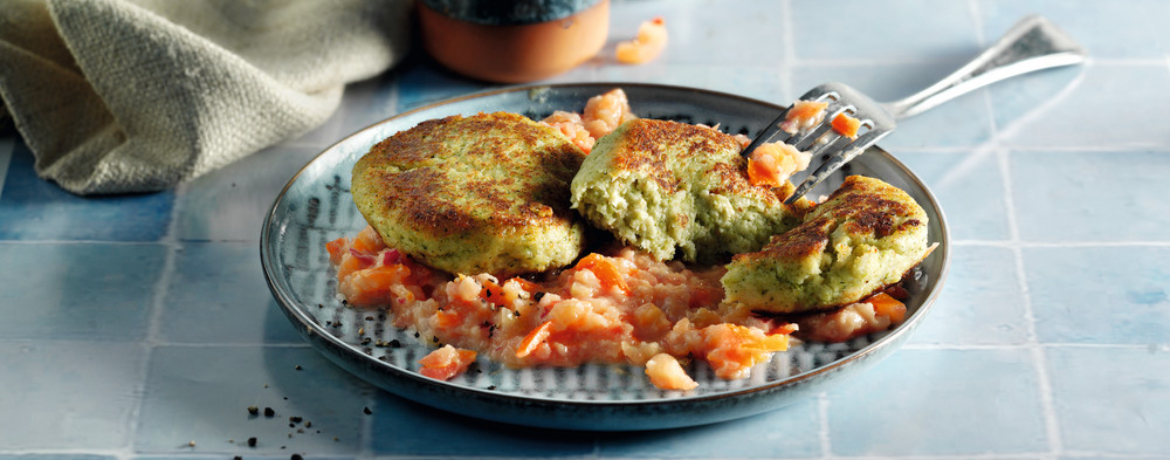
482	194
679	190
864	237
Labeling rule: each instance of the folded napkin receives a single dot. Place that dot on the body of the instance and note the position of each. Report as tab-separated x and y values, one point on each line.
118	96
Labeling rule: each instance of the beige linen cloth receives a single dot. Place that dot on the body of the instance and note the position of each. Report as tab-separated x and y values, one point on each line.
118	96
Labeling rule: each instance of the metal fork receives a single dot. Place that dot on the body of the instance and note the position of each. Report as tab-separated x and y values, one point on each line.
1032	44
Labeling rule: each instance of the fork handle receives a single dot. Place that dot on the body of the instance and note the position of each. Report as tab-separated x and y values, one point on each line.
1031	44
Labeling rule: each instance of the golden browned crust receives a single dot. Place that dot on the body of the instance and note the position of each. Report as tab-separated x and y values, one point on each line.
422	189
484	193
860	205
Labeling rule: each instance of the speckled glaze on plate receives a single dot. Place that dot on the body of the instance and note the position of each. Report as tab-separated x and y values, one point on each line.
316	207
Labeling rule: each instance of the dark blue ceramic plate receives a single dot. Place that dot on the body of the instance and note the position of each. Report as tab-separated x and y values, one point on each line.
316	207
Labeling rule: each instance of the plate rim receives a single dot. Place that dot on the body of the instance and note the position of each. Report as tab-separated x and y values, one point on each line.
894	336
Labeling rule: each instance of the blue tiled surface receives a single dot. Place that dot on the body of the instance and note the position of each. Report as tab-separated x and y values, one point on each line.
952	177
1122	410
941	402
860	30
983	303
69	291
242	311
61	394
213	386
401	427
1099	296
792	432
1108	30
1084	107
1092	196
132	325
33	209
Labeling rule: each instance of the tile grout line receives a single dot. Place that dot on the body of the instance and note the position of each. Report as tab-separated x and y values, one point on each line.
1039	356
786	69
150	342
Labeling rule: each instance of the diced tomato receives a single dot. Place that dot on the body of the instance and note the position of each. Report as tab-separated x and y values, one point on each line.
370	287
733	349
493	294
785	329
446	362
368	241
446	319
890	307
666	373
336	248
534	339
526	285
606	271
846	125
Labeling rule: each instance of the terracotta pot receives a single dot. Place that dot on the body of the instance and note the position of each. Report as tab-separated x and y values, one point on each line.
499	42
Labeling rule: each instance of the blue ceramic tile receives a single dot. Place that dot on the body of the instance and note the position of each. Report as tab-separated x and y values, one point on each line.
78	290
1100	295
422	81
763	83
790	432
405	429
35	209
366	102
1112	400
68	395
1091	196
202	394
242	309
883	31
940	402
962	122
56	457
981	303
1102	106
230	204
698	31
1113	29
952	176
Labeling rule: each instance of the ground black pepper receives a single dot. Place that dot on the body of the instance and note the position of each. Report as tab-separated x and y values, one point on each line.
295	419
297	367
268	412
367	411
253	410
297	457
538	296
252	441
394	343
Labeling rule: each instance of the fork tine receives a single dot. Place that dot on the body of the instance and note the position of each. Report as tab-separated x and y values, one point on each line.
843	154
770	131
